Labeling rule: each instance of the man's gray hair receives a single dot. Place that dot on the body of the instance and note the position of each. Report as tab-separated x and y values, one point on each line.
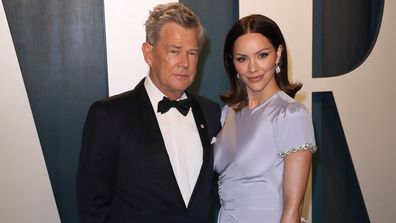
172	12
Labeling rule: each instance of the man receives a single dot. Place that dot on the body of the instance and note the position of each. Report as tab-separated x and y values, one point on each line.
141	159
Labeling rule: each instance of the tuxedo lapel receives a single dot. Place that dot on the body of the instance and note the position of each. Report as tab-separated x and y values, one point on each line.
156	146
204	135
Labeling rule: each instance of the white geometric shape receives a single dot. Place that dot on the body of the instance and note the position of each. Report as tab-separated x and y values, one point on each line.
125	34
25	189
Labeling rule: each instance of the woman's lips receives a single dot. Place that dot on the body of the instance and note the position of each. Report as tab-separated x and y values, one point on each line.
255	78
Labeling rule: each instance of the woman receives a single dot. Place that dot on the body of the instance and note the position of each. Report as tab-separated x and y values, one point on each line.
263	153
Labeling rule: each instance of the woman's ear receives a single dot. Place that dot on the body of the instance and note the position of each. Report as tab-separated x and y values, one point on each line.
147	53
279	53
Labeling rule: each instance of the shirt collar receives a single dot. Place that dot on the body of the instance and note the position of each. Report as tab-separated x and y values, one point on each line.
155	94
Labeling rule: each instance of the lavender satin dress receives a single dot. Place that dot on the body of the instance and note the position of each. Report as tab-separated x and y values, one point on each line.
249	153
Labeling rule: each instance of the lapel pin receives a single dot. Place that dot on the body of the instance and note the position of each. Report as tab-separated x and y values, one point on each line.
202	126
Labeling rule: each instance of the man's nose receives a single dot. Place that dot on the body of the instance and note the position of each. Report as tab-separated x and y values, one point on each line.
184	60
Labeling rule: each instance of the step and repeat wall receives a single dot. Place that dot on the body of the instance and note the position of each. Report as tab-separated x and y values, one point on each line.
57	57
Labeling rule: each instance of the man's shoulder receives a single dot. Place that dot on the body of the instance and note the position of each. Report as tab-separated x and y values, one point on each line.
118	98
122	102
123	97
203	100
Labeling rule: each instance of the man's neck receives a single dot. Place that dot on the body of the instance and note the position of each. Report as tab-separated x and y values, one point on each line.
172	95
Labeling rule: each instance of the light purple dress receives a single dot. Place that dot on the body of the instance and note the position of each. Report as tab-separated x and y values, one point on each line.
249	153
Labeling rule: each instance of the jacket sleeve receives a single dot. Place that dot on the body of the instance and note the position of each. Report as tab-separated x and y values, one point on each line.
97	166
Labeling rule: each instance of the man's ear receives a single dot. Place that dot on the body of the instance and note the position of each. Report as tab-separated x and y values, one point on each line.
147	53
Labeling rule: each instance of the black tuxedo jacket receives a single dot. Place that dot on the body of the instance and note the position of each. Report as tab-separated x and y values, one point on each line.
124	173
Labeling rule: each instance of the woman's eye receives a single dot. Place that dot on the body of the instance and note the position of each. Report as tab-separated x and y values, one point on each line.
240	59
263	55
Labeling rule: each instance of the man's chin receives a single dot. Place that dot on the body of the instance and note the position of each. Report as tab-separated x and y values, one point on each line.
182	85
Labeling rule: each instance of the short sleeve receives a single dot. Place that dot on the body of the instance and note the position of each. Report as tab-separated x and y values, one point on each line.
294	130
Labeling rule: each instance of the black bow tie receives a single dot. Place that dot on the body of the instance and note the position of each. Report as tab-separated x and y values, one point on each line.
183	106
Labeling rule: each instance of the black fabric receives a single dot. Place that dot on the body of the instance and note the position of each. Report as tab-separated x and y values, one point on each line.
183	106
124	172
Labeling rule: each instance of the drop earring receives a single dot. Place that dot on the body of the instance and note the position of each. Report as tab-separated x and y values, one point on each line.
238	77
277	68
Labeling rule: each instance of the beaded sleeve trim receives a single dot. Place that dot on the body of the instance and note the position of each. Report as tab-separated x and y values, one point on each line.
308	146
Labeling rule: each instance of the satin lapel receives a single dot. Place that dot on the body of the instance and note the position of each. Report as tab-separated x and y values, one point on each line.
156	145
204	135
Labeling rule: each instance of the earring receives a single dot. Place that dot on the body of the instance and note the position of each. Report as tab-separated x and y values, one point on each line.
277	68
238	77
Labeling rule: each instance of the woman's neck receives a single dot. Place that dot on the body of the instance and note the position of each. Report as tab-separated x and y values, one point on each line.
256	99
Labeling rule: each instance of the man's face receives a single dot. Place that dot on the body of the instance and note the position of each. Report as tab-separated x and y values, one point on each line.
173	59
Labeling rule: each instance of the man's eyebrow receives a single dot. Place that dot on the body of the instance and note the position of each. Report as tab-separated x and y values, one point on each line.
174	46
195	49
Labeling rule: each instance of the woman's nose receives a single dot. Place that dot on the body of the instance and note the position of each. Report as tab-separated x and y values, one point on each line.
252	66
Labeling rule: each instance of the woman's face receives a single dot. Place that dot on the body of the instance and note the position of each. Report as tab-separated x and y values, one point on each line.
254	58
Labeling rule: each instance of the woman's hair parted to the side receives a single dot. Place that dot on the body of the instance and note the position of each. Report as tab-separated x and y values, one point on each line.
236	97
172	12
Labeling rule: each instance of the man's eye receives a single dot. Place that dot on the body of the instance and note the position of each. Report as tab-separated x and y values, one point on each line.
174	51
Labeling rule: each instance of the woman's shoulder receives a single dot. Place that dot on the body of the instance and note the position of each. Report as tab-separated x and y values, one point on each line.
288	107
294	127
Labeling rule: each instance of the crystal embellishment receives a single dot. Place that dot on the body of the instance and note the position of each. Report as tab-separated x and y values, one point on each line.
308	146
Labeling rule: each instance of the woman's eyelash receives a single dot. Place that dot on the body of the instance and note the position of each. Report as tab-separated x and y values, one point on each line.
240	59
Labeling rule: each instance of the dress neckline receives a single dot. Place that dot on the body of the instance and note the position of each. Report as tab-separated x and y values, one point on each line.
250	111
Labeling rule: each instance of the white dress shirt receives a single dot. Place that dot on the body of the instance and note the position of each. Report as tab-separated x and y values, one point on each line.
182	141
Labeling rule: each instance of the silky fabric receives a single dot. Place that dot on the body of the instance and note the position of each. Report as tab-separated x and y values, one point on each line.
248	157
